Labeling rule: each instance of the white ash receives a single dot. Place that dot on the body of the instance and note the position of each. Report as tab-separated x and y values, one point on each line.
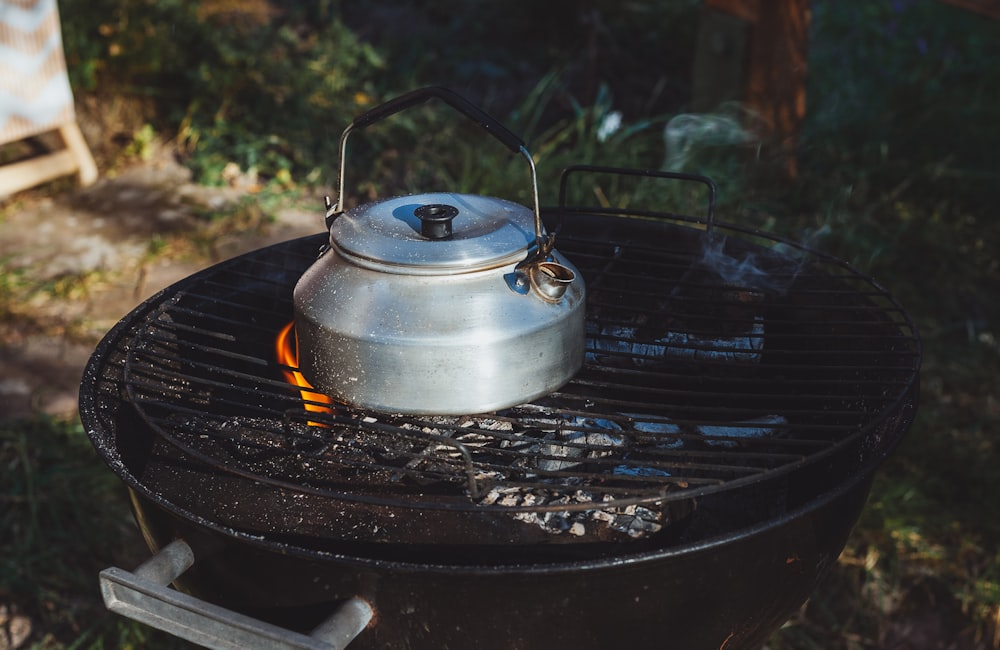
555	443
446	426
564	450
578	446
713	435
665	428
636	521
467	434
746	347
767	426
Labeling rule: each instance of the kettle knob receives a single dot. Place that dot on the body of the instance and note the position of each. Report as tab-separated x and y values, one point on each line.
435	220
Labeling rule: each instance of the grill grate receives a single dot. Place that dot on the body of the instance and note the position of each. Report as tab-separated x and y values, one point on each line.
696	382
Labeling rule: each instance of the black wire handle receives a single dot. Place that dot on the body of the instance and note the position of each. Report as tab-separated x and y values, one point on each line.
646	173
450	97
463	106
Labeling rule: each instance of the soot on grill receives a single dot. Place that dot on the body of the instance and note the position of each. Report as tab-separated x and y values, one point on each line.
706	403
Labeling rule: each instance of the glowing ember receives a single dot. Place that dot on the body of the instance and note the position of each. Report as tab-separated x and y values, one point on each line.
286	346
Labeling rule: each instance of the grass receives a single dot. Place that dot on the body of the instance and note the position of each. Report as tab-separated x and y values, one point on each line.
63	518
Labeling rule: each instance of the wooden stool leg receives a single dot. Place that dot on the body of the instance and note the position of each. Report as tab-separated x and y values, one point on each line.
86	168
18	176
76	157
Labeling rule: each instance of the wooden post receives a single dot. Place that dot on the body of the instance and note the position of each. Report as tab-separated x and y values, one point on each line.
776	65
776	75
772	67
989	8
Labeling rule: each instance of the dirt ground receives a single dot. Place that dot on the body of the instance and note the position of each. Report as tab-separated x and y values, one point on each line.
94	252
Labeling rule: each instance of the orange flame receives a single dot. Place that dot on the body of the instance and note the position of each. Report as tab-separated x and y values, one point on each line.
286	346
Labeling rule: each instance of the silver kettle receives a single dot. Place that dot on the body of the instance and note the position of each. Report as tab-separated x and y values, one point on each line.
439	303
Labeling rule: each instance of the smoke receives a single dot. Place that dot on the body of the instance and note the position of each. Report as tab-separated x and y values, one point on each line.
809	238
719	145
688	134
738	271
772	270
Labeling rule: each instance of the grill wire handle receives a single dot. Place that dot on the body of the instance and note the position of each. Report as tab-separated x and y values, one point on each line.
143	595
645	173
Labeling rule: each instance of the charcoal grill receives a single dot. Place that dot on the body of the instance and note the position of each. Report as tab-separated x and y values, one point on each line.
701	470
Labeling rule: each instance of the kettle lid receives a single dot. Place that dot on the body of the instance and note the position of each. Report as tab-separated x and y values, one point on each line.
438	232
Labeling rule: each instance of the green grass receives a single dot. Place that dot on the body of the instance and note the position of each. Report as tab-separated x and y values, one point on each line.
63	518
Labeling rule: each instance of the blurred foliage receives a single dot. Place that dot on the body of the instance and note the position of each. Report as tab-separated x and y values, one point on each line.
909	88
263	85
270	86
899	168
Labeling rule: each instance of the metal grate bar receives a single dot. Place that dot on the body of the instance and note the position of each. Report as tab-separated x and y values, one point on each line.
825	361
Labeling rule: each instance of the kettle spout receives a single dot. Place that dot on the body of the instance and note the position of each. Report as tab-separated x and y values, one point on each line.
550	280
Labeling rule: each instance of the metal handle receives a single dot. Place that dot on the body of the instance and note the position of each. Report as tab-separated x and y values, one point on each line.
460	104
647	173
450	97
143	595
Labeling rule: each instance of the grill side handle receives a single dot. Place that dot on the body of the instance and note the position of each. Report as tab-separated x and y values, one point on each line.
144	596
646	173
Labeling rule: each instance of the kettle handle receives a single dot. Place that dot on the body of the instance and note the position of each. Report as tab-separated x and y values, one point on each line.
450	97
462	105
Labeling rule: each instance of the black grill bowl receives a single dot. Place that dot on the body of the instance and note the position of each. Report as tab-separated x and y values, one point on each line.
752	523
727	592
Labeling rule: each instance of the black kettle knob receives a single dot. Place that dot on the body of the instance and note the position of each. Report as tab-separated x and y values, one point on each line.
435	220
